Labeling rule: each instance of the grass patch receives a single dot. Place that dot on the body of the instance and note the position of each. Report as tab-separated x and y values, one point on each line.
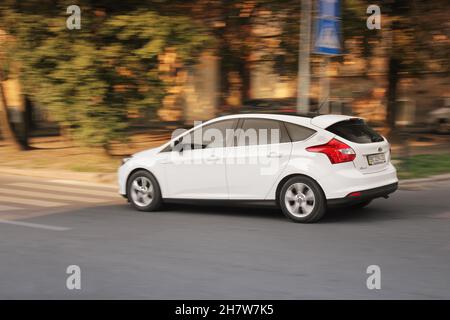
83	168
423	165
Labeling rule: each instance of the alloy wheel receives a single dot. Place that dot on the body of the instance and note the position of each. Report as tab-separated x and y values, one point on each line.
142	191
299	199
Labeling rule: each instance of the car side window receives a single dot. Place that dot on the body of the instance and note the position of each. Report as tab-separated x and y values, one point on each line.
262	132
213	135
298	133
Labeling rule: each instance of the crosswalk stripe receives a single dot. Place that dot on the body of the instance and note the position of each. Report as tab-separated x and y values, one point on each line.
50	196
82	183
64	189
34	202
8	208
34	225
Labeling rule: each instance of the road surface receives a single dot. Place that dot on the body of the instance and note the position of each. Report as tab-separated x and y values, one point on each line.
204	252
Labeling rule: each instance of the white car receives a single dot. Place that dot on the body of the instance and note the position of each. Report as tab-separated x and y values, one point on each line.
303	164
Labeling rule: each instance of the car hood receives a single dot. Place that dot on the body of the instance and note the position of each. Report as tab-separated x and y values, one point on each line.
147	153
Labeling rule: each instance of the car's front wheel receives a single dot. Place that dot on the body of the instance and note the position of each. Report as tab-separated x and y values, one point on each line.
302	200
143	191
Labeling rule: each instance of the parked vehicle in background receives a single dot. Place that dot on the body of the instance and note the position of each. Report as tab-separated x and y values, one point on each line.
272	106
302	164
439	120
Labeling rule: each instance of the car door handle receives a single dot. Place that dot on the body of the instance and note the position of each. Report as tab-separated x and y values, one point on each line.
274	155
212	158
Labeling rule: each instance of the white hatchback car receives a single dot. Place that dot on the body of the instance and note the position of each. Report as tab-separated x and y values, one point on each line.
304	164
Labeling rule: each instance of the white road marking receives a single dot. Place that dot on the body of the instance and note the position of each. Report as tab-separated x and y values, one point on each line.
81	183
51	196
39	186
34	225
8	208
34	202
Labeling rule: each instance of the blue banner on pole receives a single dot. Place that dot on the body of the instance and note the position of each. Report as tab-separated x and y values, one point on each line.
328	25
329	8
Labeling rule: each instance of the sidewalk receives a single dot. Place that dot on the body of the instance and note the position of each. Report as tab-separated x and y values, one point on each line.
55	153
107	179
424	183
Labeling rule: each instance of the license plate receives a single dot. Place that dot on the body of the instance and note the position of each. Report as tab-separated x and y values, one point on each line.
377	158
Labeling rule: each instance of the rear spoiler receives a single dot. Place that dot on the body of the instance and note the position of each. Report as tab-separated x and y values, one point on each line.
326	120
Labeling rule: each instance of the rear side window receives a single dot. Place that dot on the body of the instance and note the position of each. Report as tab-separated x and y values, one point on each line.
355	130
262	132
298	133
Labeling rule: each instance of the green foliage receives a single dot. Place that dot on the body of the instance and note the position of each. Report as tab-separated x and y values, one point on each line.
423	165
91	78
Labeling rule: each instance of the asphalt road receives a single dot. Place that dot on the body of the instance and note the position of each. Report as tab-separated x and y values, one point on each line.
198	252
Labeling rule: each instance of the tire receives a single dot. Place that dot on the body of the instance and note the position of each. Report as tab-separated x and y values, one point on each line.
360	205
140	199
310	204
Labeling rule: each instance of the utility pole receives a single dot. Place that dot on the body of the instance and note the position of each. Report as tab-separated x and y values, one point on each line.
325	86
303	80
327	43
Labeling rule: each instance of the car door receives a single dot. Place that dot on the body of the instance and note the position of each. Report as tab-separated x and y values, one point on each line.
260	153
196	168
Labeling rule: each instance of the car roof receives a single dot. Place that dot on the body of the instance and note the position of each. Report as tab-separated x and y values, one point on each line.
321	121
282	117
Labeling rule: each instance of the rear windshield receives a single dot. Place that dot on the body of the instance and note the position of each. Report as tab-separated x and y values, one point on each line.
355	130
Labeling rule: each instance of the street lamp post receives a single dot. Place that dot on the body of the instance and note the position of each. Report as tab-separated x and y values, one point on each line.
303	80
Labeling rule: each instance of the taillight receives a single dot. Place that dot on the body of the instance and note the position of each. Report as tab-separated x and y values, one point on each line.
336	151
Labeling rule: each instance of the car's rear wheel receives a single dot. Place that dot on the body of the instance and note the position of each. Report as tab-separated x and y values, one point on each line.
143	191
302	200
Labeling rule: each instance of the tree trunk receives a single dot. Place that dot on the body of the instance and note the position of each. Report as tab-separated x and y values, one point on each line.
5	126
393	78
245	74
27	120
223	70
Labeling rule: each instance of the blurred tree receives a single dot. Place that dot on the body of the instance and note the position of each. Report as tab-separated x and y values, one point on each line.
416	41
414	47
6	130
92	78
231	33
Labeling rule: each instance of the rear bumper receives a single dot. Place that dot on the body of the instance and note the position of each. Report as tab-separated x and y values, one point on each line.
368	194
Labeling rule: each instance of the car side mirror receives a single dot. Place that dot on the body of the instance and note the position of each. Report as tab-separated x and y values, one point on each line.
175	145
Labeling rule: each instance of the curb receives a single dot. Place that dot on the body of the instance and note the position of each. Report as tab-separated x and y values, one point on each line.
409	182
106	179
